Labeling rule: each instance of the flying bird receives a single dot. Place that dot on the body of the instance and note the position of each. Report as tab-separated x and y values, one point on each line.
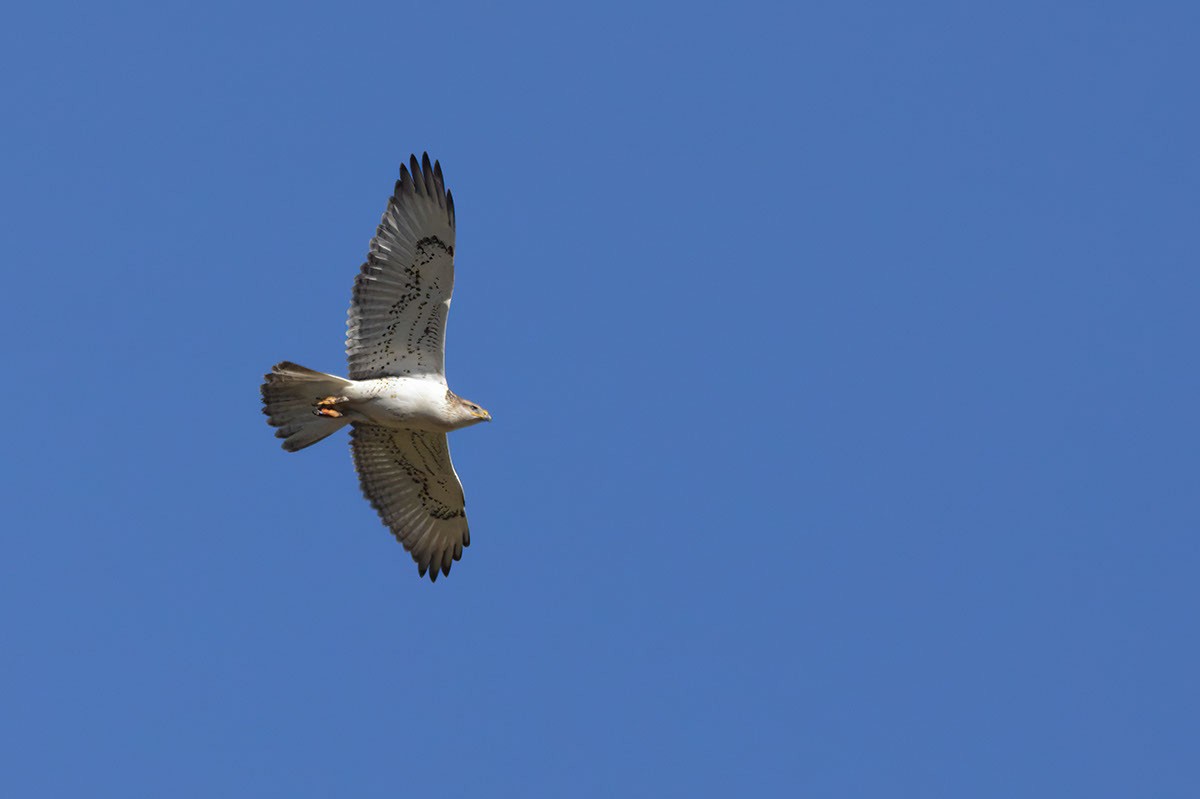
396	399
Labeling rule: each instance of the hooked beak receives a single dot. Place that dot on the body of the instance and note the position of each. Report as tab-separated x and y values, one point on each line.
484	415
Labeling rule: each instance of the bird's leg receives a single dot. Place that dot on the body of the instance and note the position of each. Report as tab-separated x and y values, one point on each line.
326	407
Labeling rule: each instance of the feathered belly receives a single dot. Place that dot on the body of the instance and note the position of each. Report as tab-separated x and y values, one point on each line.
392	403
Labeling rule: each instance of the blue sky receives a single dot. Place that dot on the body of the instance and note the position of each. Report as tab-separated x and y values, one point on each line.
843	362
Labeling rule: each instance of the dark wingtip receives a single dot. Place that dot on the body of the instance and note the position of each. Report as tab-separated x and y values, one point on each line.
439	184
427	176
416	170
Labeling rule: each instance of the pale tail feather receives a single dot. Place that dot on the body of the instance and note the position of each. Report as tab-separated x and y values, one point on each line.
289	396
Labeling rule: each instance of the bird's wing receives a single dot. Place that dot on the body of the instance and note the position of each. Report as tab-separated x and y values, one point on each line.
408	478
396	326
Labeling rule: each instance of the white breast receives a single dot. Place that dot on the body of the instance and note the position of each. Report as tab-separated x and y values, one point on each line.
402	402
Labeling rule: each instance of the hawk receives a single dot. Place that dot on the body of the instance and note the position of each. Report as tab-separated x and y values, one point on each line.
396	400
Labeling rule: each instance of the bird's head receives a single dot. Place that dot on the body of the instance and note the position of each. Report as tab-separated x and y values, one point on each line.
468	412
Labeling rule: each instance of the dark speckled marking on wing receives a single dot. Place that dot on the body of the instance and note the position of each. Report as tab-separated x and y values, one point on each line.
408	478
396	325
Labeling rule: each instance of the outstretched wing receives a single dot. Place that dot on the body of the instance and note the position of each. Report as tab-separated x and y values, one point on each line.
397	319
408	477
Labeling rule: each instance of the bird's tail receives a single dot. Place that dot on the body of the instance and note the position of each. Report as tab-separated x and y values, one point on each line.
300	403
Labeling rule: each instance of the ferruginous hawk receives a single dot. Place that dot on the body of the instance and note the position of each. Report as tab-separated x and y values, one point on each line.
396	401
